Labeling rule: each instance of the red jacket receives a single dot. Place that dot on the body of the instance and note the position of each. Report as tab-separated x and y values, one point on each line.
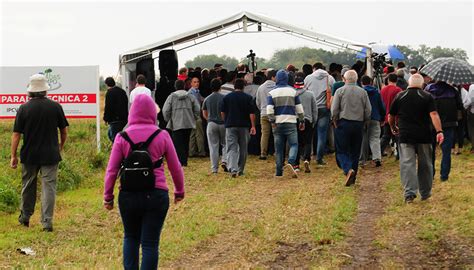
388	94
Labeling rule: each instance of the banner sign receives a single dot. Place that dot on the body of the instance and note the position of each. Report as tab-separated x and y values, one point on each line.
75	88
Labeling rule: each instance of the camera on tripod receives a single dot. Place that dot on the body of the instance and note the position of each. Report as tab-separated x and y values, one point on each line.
379	61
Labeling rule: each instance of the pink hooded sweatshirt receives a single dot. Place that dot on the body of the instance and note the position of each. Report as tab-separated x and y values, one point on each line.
141	121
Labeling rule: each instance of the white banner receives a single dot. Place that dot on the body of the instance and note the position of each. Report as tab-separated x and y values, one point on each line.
75	88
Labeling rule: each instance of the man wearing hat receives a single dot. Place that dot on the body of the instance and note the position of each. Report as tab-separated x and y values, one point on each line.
38	120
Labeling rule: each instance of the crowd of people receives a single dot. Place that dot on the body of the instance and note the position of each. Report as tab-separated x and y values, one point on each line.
297	115
228	115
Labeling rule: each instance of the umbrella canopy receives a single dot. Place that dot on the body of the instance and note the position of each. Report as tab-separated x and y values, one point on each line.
391	51
449	70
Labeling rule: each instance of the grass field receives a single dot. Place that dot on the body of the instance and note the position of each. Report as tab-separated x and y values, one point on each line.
253	221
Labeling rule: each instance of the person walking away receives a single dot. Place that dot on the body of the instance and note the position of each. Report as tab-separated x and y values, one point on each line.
143	211
320	83
38	120
371	138
388	93
261	101
196	141
448	103
460	131
284	110
401	81
469	106
115	109
350	108
415	110
181	111
238	112
310	108
140	88
215	126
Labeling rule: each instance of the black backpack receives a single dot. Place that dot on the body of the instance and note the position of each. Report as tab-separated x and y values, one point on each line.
137	168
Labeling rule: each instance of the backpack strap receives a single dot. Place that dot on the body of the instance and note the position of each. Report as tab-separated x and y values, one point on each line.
159	162
150	139
127	138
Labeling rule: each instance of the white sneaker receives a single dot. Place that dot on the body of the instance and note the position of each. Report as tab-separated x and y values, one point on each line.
293	172
306	167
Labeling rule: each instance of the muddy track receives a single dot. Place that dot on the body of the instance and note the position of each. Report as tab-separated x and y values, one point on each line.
371	207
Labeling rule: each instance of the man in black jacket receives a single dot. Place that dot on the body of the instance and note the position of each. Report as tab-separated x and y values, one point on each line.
116	108
448	104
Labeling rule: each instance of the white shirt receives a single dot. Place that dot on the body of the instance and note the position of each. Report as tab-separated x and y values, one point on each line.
139	91
468	100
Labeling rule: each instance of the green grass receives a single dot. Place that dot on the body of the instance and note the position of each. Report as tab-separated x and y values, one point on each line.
244	222
255	211
448	216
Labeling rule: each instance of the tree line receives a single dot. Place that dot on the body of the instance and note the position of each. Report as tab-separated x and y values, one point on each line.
305	55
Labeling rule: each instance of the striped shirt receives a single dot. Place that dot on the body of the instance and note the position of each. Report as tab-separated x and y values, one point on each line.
284	106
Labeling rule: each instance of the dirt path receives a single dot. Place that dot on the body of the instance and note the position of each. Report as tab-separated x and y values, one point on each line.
406	249
371	207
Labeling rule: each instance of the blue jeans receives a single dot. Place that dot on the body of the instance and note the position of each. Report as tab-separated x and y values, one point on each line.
283	133
143	215
321	132
114	128
348	137
446	152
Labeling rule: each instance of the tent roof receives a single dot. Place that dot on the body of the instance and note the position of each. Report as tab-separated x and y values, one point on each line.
245	17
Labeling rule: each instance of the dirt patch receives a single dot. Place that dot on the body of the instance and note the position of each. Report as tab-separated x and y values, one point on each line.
447	253
291	255
371	207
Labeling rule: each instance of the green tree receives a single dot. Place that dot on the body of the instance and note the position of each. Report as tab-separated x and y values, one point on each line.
438	52
414	57
208	61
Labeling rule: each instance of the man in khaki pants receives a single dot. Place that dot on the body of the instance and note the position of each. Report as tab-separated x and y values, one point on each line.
38	120
261	100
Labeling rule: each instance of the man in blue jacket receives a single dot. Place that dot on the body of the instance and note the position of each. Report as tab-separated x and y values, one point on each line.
372	127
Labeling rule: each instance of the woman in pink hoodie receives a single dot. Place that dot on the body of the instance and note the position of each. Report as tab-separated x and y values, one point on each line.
143	213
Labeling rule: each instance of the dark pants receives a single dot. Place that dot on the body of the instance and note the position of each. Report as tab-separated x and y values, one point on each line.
143	215
387	135
181	144
446	152
460	131
114	128
348	138
305	138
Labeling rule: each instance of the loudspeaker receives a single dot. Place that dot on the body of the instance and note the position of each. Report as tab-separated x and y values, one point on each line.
146	67
168	64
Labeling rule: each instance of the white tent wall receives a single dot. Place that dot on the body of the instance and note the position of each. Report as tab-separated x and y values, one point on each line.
244	22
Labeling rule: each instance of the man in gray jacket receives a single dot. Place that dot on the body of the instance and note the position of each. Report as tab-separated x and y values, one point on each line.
181	110
261	101
350	109
320	83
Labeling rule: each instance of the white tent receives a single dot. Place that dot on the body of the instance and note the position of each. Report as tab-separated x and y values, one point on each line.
244	22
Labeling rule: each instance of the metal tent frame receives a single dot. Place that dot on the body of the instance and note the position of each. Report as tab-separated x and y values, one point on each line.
240	22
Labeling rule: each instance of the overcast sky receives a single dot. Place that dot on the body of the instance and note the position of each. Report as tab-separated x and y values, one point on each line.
95	33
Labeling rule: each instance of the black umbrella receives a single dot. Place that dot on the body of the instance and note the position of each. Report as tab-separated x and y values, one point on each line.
450	70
